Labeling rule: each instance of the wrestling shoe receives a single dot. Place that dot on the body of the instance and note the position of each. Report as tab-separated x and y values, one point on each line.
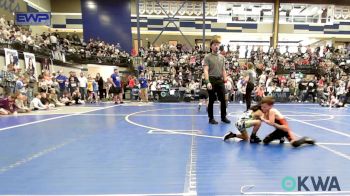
228	135
303	140
255	140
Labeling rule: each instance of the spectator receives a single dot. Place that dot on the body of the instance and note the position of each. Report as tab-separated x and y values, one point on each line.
19	102
8	106
100	83
61	79
116	88
143	88
82	85
36	103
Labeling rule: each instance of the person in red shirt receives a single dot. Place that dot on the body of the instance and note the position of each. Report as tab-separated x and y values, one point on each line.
282	79
131	83
320	82
274	67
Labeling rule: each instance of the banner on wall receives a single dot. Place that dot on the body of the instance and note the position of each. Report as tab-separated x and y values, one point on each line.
30	63
33	18
11	57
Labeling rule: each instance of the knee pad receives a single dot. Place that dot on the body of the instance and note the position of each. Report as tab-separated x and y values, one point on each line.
240	125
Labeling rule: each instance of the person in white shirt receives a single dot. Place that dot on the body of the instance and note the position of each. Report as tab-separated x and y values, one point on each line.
263	78
341	91
82	85
53	40
228	87
5	33
153	87
29	40
36	104
23	37
3	21
192	86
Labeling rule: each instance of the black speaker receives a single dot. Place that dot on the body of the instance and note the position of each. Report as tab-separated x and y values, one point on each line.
169	98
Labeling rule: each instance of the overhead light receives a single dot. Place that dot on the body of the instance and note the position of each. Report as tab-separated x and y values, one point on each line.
91	5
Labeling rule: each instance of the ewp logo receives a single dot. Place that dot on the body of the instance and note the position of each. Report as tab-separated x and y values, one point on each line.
39	18
329	183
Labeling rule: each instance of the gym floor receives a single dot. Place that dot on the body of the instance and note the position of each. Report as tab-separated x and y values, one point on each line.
165	149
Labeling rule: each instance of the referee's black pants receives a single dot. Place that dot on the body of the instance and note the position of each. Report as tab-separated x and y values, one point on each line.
218	89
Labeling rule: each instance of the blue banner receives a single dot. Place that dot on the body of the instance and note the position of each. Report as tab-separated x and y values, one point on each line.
33	18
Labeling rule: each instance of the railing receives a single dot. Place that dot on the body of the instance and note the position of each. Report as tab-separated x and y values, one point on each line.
252	18
304	19
248	18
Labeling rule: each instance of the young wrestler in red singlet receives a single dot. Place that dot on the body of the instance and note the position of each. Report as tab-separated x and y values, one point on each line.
273	117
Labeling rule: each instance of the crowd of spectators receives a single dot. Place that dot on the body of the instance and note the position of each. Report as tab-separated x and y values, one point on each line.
306	75
61	47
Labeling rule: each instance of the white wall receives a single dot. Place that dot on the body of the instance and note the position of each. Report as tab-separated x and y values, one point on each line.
38	30
65	69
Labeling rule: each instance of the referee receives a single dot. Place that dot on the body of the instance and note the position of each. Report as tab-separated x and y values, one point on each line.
215	77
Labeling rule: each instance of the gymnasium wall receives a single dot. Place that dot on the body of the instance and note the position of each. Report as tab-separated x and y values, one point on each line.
67	21
66	6
7	7
194	25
